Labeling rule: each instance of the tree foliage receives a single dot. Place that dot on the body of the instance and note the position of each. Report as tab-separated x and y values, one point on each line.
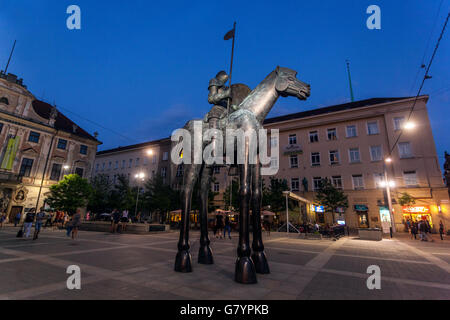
330	197
99	201
406	199
160	197
273	195
69	194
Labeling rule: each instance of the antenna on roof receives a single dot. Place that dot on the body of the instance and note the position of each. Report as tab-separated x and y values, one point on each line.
10	55
350	80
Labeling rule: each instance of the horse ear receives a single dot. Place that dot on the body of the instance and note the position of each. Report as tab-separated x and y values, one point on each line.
277	69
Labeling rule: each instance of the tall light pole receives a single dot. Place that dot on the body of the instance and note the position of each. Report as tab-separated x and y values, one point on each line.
388	184
140	176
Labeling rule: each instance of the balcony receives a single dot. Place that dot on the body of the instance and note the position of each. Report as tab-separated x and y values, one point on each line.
9	177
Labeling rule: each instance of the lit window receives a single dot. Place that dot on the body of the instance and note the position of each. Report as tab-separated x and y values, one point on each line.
295	184
372	128
358	182
334	157
354	155
378	179
293	161
376	153
351	131
331	134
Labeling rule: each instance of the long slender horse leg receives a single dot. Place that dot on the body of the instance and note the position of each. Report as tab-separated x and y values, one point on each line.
245	269
205	255
258	255
183	260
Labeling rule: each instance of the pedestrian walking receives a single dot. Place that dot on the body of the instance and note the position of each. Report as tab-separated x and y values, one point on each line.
441	229
48	221
428	230
17	219
414	230
124	219
423	230
76	223
28	223
227	227
115	219
219	225
40	216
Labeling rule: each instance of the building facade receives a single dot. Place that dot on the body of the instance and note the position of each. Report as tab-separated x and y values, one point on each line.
149	158
38	146
348	145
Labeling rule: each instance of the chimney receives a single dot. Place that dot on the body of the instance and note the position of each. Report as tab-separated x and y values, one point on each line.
74	128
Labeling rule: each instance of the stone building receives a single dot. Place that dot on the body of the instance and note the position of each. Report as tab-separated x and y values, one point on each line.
38	146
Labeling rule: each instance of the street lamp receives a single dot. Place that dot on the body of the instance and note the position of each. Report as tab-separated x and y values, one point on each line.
409	125
139	176
150	152
388	185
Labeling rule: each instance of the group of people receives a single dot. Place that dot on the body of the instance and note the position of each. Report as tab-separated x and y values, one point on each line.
423	229
119	221
222	226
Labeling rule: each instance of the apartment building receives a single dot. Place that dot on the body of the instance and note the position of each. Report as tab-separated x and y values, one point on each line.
145	159
39	145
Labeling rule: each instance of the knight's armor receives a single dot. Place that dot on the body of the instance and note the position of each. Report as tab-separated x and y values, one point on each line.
218	96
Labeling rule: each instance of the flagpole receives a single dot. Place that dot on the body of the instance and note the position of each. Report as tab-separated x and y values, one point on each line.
231	65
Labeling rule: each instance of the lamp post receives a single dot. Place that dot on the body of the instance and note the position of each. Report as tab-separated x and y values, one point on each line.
388	184
138	176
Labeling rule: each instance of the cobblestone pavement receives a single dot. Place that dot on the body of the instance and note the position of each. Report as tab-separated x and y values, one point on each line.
123	266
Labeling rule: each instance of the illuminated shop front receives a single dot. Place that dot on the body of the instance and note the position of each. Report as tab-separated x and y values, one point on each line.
362	211
417	213
320	213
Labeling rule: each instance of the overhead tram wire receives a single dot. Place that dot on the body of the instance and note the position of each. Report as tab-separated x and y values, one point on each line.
426	47
426	76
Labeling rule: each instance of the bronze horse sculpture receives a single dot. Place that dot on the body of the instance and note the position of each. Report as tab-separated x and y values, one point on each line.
249	116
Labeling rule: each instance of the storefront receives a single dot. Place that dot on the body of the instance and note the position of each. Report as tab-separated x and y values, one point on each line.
385	218
362	211
319	212
417	213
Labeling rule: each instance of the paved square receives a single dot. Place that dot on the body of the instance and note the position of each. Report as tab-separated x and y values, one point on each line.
123	266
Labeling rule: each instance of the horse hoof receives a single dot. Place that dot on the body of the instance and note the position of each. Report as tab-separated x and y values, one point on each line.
205	255
183	261
245	271
261	264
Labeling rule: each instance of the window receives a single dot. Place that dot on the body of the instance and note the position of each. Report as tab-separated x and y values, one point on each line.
398	123
358	182
337	182
315	158
154	158
137	162
165	156
351	131
130	163
34	137
116	165
124	163
216	170
79	171
404	149
163	172
295	184
273	141
376	153
372	128
25	168
274	162
180	170
145	161
293	161
103	166
334	157
410	178
378	179
1	127
313	136
62	144
83	149
331	134
109	165
216	187
4	100
115	179
317	183
97	167
56	172
354	155
292	139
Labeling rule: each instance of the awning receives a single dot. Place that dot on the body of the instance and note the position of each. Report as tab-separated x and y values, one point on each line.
293	196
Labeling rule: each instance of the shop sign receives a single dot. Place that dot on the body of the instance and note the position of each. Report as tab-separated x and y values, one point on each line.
292	149
317	208
416	209
361	207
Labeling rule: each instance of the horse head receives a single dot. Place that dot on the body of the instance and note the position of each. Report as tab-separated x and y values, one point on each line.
288	85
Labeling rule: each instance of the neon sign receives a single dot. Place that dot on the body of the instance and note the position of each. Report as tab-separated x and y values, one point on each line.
418	209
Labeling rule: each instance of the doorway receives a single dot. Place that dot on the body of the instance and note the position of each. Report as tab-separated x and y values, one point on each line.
14	211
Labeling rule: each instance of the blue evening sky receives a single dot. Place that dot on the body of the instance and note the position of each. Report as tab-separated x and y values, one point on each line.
141	68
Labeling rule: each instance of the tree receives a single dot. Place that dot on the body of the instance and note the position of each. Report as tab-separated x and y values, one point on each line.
330	197
406	199
99	201
160	197
69	194
273	195
121	196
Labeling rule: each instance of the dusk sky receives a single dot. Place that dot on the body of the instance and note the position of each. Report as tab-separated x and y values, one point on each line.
141	68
